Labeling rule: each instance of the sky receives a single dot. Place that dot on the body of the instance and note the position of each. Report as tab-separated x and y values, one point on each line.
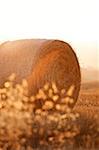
74	21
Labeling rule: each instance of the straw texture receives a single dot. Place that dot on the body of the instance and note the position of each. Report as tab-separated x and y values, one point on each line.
41	62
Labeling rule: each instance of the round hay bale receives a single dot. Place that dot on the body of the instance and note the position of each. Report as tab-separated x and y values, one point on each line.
41	62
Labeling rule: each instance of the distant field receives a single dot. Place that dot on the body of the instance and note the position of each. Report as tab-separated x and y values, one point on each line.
88	107
88	102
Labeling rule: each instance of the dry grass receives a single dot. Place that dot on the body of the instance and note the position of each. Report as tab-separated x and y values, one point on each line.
41	122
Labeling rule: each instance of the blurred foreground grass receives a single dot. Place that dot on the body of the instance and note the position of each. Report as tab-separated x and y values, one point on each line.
44	121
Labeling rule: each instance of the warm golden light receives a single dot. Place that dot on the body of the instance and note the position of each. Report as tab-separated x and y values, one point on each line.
72	21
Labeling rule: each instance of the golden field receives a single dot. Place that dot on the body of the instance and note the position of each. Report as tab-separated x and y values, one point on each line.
41	122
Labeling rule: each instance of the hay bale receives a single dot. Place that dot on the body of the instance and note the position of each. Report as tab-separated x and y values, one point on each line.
41	61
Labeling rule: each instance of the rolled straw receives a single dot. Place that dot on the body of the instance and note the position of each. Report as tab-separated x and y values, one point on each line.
41	62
